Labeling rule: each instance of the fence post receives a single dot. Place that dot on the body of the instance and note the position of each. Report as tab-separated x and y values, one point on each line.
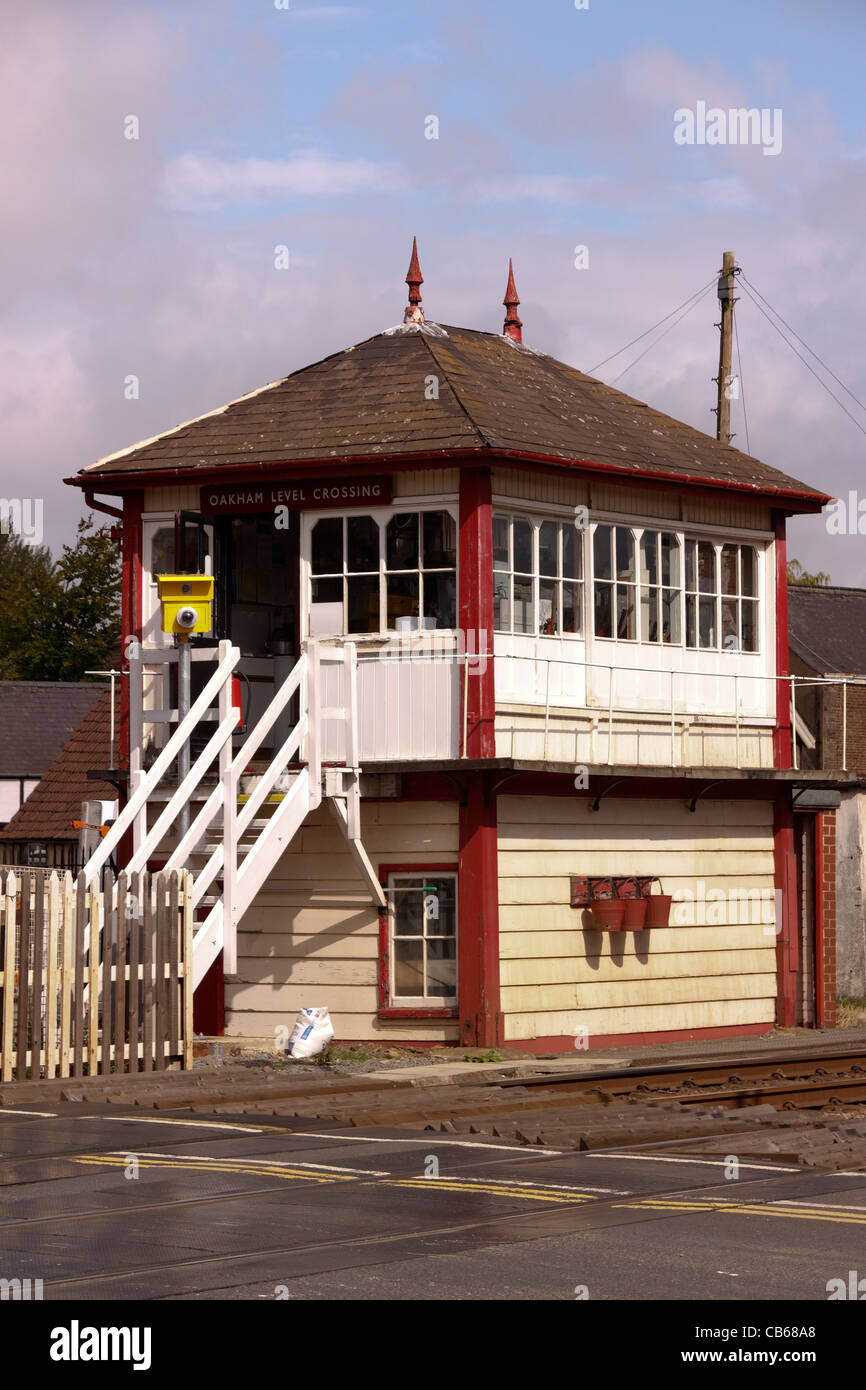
52	974
67	972
6	1028
186	947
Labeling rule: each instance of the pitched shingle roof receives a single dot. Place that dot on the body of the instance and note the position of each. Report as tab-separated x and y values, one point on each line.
371	401
50	809
36	719
827	628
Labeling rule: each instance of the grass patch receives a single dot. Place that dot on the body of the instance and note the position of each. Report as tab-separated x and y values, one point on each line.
347	1052
851	1013
491	1056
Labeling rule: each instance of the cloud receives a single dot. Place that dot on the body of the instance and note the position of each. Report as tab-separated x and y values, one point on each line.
196	182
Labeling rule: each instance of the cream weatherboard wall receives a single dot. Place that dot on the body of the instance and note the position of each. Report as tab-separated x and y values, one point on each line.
713	967
311	938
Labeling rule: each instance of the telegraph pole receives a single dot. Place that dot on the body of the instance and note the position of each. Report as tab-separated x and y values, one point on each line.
726	329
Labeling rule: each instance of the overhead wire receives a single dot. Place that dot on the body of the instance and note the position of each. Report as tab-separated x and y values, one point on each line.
806	364
670	326
828	370
694	296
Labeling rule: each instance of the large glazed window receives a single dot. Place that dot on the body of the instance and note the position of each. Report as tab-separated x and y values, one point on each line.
373	574
537	576
701	594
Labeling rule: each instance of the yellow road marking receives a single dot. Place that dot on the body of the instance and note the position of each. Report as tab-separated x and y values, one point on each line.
492	1188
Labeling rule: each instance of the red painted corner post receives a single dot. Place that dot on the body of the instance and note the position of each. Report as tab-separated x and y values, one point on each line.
478	919
475	670
782	731
787	917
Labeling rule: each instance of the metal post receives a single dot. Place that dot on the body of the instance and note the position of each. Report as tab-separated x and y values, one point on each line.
844	726
673	726
794	754
610	718
184	669
546	709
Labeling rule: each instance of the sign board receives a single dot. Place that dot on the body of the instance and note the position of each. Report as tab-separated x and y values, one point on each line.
294	493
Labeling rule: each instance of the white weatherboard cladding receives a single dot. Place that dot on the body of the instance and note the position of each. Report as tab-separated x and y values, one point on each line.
407	709
311	937
713	967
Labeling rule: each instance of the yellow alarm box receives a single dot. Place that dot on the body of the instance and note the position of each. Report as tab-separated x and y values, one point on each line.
187	601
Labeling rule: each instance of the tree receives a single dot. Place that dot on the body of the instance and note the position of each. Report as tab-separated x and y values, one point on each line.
797	575
58	621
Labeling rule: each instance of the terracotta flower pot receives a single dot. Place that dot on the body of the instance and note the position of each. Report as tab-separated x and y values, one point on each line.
635	914
658	912
607	914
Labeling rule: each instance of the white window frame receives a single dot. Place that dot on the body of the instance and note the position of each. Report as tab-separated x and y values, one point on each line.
418	1001
718	539
382	515
535	520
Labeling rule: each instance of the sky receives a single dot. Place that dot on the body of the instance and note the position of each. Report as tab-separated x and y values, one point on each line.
155	156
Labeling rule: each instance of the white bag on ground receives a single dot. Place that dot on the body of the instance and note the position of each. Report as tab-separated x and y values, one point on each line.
311	1034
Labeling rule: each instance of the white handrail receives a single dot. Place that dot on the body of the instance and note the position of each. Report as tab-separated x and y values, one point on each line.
229	657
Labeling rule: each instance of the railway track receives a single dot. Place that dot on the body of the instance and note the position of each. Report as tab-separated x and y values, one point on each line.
774	1102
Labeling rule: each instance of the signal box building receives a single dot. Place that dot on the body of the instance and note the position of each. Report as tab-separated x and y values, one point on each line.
502	641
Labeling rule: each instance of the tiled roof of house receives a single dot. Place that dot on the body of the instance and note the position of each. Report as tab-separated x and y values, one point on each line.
377	400
36	719
827	628
50	809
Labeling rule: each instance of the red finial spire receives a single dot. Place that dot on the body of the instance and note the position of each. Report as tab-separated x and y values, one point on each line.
513	325
414	279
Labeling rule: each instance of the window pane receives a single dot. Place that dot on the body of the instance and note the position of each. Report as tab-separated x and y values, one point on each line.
625	611
750	625
571	606
601	552
500	543
603	619
408	907
409	969
442	968
691	627
440	912
670	560
363	603
328	590
749	570
730	625
440	540
548	545
402	597
624	553
548	604
523	615
362	544
572	552
671	616
707	622
691	547
402	541
649	615
706	568
162	551
649	547
326	550
502	603
729	569
440	599
522	546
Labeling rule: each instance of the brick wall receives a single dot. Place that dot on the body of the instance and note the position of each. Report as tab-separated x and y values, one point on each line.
831	728
828	905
